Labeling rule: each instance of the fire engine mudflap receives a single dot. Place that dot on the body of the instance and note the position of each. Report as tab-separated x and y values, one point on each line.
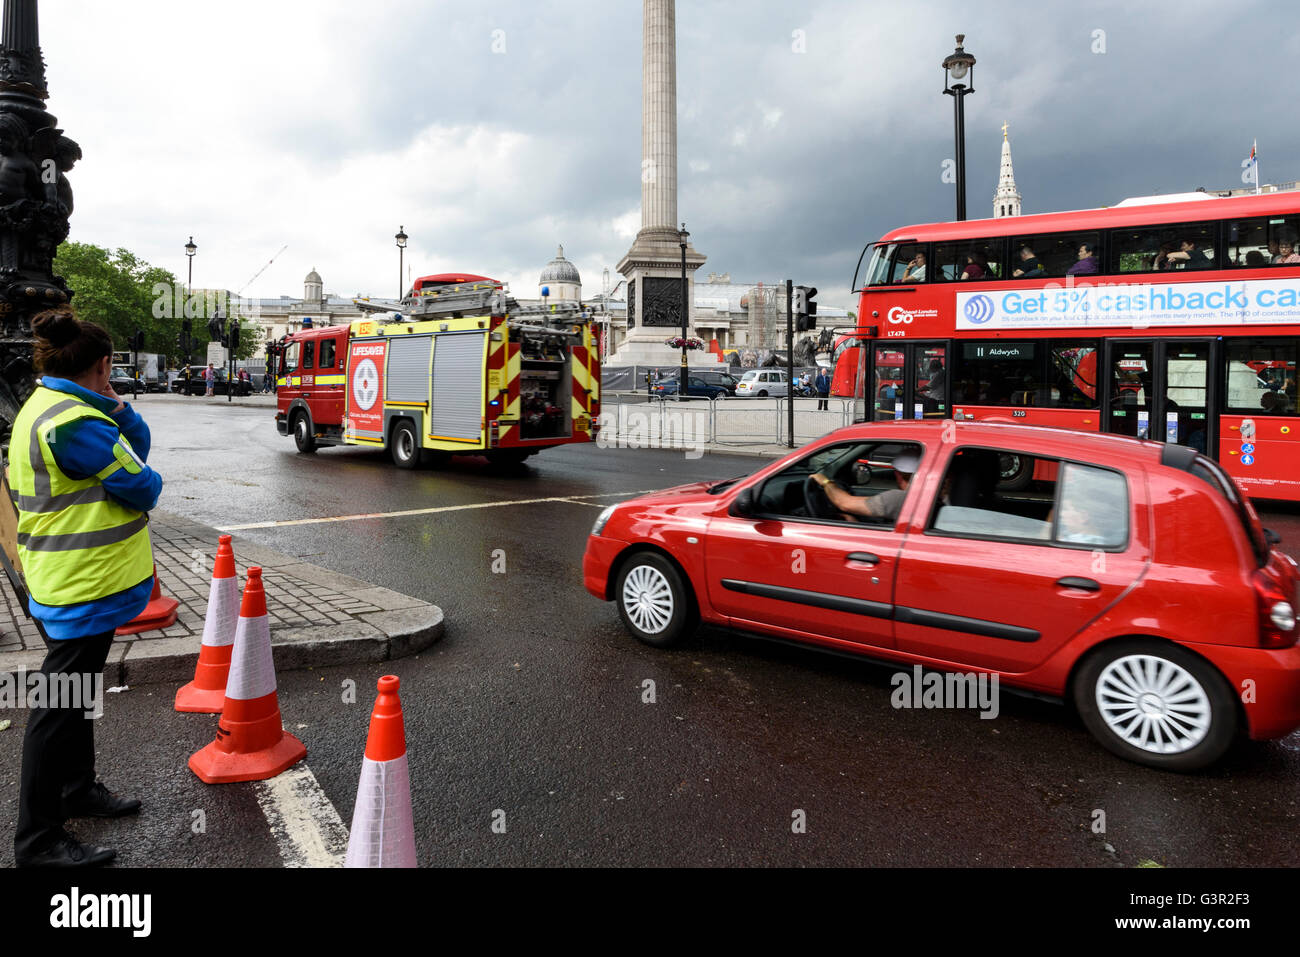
462	369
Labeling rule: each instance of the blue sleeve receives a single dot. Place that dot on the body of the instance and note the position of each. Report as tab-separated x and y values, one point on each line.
85	447
135	429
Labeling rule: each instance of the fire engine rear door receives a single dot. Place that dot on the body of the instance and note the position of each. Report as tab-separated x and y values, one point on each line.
458	370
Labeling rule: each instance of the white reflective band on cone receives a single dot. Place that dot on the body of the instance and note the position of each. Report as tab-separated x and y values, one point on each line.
383	833
252	671
223	612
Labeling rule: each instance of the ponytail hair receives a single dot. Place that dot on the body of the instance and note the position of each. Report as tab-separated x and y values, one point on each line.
67	346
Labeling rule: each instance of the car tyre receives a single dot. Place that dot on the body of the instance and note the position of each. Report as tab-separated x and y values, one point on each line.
1156	704
654	600
302	433
1015	472
763	394
405	445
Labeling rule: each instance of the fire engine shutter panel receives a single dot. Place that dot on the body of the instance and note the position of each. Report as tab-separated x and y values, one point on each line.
458	386
408	369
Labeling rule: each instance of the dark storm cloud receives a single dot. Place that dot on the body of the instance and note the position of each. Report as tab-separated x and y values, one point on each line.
806	129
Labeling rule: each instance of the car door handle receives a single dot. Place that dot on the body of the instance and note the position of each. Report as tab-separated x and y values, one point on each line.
863	558
1083	584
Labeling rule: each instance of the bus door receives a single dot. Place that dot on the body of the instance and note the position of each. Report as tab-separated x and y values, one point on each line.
909	380
1163	389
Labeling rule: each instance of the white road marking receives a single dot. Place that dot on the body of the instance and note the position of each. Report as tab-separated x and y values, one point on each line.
305	825
567	499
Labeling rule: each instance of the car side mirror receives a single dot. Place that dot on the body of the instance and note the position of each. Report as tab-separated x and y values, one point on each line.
742	506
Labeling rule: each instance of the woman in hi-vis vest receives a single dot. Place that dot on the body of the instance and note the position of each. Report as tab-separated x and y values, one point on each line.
79	481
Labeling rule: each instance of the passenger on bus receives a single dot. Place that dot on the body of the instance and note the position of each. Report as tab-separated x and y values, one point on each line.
1162	258
1191	257
1255	259
1273	246
1286	251
915	271
1030	267
1087	264
977	266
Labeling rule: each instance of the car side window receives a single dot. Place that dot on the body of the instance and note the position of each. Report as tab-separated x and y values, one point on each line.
1012	496
1093	507
861	471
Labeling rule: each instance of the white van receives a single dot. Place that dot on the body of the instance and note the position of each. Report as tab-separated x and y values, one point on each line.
763	382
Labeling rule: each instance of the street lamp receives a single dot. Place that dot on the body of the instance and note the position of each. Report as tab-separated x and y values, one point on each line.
682	238
190	250
401	238
955	67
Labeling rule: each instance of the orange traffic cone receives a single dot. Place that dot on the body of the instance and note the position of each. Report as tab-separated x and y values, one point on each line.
207	692
159	613
383	831
251	743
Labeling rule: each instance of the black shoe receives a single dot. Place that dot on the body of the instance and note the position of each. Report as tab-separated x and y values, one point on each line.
67	851
99	801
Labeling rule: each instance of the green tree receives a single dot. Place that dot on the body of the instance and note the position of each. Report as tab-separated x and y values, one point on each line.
121	292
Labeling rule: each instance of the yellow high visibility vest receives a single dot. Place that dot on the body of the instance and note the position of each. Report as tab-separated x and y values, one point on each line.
76	543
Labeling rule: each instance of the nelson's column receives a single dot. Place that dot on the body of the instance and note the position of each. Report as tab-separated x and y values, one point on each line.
35	202
653	266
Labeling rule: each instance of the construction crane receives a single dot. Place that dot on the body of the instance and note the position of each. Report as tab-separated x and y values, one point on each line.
240	294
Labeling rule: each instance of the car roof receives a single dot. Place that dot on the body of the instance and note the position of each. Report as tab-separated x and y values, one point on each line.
1039	439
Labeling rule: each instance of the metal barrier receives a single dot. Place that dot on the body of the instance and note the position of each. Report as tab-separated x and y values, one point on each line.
630	420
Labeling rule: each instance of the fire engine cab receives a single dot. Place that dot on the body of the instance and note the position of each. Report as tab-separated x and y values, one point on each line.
462	369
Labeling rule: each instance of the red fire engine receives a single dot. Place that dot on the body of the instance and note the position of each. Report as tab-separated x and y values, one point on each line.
463	368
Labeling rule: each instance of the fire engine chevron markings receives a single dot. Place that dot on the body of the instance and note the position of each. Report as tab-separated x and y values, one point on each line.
566	499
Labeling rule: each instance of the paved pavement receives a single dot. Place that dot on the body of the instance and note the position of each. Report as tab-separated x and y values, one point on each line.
317	616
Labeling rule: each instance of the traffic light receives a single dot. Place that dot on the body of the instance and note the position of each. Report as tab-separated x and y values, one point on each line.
805	308
136	341
233	335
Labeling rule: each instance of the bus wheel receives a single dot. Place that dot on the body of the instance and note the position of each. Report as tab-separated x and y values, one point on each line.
302	436
405	445
1015	472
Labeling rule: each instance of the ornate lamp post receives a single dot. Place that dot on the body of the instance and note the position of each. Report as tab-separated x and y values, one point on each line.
34	205
401	238
683	238
190	250
955	67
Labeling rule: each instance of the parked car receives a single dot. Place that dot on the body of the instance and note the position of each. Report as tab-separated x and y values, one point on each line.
696	386
190	382
123	382
724	379
763	383
1129	578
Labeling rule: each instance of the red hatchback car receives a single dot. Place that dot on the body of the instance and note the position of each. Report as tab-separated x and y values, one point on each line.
1129	577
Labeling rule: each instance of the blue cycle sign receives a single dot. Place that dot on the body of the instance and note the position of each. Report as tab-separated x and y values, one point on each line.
1139	305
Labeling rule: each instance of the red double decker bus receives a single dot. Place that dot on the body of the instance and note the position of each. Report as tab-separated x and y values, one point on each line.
1175	319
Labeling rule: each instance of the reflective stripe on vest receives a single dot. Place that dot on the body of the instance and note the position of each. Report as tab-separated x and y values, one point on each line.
75	541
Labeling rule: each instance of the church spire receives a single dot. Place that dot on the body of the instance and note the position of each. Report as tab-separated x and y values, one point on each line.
1006	201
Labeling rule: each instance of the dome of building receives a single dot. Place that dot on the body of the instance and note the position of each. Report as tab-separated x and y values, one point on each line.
560	269
313	277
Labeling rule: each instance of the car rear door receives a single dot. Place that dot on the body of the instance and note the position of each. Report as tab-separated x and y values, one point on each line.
1001	580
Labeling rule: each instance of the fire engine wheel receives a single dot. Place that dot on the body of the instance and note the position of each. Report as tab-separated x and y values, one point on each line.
654	601
302	436
405	445
1156	704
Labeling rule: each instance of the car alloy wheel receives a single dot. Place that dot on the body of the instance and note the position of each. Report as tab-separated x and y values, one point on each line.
1156	703
1153	704
654	600
648	599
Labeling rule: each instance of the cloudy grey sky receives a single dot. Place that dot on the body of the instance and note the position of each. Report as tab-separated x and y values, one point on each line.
324	125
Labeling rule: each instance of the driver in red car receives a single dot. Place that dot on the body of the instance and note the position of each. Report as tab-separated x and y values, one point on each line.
879	508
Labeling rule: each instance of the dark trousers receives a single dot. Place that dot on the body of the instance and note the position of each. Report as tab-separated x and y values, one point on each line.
59	748
822	404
